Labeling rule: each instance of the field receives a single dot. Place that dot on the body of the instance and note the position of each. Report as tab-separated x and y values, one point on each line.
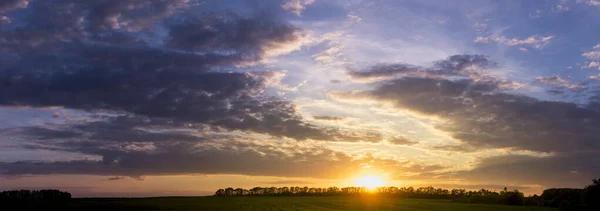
313	203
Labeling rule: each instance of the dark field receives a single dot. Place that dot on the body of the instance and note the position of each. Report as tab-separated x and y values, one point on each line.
318	203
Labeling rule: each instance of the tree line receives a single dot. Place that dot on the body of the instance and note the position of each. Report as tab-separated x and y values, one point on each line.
33	195
32	199
480	196
587	198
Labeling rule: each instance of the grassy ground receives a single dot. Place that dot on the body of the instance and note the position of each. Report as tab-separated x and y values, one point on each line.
323	203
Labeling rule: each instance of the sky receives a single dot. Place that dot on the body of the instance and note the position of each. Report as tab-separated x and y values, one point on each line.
182	97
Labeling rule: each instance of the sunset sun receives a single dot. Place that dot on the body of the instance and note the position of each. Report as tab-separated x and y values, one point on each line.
370	182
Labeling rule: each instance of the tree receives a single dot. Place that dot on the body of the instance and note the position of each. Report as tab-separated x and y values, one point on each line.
229	191
591	195
220	192
554	197
511	197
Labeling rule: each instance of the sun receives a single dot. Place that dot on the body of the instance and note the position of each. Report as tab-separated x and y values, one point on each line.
370	182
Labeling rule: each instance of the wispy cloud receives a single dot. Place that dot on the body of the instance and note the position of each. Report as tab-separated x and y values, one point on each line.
296	6
535	41
592	2
594	53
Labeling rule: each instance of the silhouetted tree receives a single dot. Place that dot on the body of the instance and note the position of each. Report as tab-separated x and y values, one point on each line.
28	195
33	200
564	198
220	192
513	197
229	191
591	195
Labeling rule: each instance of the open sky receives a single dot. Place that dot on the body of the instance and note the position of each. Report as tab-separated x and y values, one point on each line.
181	97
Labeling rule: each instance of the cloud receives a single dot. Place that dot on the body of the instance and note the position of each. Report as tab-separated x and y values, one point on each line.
595	77
382	71
224	99
562	170
552	80
480	26
5	20
8	5
537	14
455	148
76	21
139	147
329	118
170	82
231	33
561	8
189	76
561	85
130	15
462	64
481	115
465	65
535	41
592	2
116	178
592	55
296	6
401	141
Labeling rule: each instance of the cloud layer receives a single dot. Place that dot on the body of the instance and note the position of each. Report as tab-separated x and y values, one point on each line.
161	66
483	115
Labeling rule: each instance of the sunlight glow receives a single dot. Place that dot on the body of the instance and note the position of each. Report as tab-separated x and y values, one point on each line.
370	182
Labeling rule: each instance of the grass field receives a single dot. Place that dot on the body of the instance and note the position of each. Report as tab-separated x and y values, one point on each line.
323	203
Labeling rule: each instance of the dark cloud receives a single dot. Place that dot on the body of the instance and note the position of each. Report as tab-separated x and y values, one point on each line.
329	118
382	71
560	85
455	148
56	22
139	146
175	83
69	20
462	64
457	65
335	81
8	5
116	178
225	99
217	156
574	169
481	115
402	141
120	130
230	33
130	15
103	63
